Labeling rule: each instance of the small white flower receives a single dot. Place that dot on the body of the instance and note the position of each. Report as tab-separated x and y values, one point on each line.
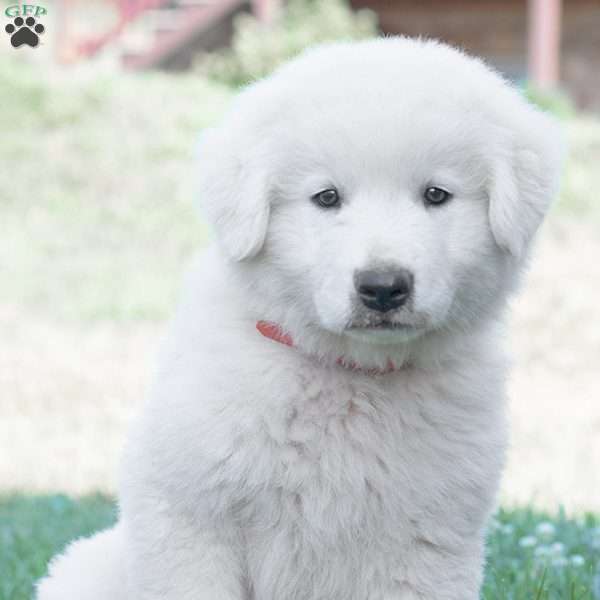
529	541
507	529
545	531
557	549
577	560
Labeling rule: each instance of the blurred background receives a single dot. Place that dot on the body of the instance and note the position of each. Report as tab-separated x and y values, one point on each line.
97	223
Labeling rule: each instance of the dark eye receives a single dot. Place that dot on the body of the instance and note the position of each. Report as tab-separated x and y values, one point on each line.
327	198
436	195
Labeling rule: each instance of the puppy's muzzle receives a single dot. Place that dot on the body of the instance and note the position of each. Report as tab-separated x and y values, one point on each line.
384	290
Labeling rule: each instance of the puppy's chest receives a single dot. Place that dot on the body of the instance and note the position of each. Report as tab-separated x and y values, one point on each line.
336	452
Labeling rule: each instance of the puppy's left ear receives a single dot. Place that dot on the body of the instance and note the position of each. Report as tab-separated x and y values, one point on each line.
525	178
233	193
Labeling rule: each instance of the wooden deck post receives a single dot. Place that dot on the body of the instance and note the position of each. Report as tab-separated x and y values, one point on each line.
544	17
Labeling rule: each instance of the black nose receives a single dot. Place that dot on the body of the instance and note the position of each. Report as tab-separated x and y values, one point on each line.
383	290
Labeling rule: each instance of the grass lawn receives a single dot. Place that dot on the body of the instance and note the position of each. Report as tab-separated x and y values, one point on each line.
531	556
33	528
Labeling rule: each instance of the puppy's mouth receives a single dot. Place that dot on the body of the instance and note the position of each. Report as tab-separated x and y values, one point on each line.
372	321
383	326
384	331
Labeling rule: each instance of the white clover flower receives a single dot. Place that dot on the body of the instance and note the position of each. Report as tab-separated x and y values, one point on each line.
559	562
577	560
529	541
557	549
507	529
545	531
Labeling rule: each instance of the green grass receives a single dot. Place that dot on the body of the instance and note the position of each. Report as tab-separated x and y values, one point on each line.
534	556
562	563
32	529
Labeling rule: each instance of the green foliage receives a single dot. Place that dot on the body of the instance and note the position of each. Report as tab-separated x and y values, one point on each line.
578	196
556	102
28	100
531	555
257	48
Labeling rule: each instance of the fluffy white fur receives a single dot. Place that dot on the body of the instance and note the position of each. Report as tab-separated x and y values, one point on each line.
263	472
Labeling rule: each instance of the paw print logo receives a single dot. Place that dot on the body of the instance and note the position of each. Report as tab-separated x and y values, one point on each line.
24	31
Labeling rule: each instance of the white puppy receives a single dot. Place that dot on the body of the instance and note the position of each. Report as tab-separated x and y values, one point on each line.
328	420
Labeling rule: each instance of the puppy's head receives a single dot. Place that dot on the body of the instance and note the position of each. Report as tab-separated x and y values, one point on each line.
380	190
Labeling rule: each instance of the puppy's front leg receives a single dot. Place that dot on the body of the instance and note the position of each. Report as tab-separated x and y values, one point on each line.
174	559
437	573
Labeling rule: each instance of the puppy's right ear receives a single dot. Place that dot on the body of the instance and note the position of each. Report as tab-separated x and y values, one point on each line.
233	194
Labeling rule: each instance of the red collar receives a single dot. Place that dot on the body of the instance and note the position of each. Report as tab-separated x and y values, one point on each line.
274	332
